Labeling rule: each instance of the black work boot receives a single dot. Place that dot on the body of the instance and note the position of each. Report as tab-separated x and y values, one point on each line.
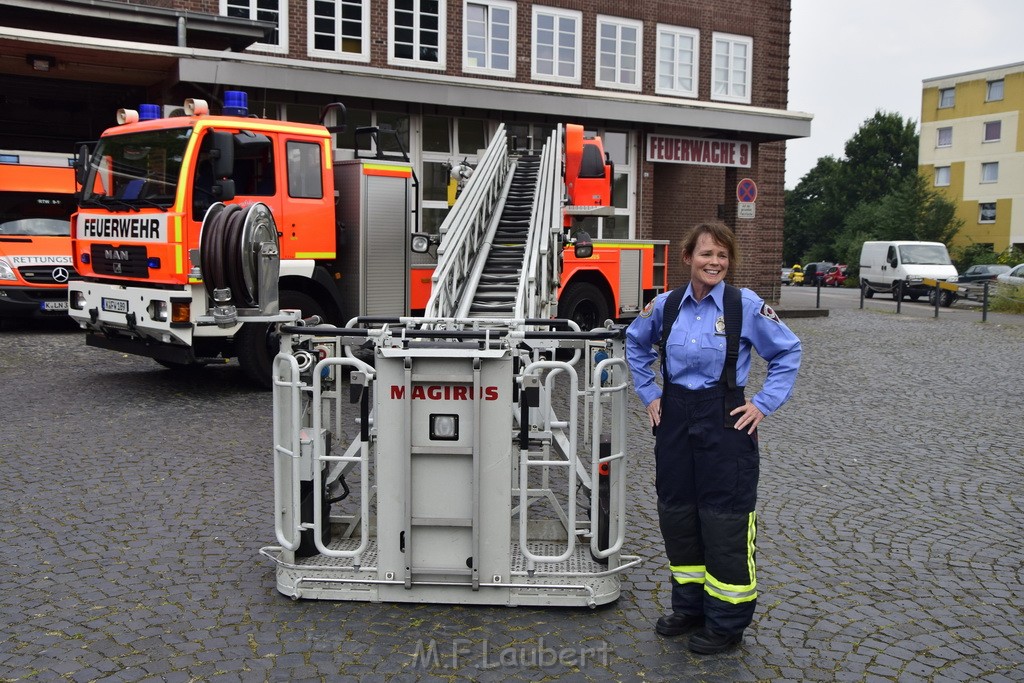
708	642
676	624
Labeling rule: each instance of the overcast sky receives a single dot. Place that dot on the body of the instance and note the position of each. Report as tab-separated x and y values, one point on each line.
849	59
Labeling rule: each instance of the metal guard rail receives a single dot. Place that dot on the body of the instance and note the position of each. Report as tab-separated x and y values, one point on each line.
535	290
463	230
525	464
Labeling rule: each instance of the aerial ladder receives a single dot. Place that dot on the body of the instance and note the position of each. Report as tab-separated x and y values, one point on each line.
475	455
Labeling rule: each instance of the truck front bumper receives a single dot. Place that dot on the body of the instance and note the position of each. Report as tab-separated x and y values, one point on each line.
143	313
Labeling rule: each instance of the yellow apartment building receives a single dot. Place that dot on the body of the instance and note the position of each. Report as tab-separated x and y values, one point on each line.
972	146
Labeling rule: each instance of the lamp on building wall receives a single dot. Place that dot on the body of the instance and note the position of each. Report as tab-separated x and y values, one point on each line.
41	62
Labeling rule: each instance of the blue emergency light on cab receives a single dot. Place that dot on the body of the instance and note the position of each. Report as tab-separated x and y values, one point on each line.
236	103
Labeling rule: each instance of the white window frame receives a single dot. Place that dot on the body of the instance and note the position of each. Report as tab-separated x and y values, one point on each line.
489	70
987	220
942	176
952	98
989	172
619	24
984	131
990	86
337	53
665	32
732	41
558	15
938	137
442	34
281	46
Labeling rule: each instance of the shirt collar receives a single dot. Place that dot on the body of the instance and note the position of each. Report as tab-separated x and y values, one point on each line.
717	295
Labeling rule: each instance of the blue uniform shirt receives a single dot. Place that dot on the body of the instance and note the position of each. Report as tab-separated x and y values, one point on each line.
696	347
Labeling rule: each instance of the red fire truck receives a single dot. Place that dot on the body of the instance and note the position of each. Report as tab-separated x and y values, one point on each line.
342	224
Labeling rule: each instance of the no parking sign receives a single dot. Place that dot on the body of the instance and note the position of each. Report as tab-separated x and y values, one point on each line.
746	191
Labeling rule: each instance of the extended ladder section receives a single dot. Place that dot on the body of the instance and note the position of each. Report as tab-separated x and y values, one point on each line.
462	467
499	250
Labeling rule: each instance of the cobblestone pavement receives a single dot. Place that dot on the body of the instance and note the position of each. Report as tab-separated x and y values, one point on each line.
134	502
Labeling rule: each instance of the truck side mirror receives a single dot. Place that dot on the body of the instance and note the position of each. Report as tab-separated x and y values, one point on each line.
82	164
583	247
223	154
893	263
224	189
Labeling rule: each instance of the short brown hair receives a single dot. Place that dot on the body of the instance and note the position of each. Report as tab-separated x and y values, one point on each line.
719	232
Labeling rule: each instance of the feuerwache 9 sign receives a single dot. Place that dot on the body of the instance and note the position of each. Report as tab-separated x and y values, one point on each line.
701	151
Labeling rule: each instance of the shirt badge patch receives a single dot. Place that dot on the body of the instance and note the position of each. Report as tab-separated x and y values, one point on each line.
720	325
648	310
767	312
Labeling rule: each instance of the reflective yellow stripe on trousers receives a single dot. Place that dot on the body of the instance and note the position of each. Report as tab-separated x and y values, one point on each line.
736	594
687	574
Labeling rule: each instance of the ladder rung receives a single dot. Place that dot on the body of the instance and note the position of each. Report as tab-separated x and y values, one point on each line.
443	521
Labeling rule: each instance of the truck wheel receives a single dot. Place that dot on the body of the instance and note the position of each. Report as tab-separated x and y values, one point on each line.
947	299
256	344
584	304
868	292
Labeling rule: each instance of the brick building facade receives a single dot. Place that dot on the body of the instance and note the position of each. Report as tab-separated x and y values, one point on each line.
443	75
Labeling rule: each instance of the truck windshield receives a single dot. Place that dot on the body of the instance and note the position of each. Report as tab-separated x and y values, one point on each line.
924	254
34	214
136	170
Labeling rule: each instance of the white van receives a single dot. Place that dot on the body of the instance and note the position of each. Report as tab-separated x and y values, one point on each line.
884	264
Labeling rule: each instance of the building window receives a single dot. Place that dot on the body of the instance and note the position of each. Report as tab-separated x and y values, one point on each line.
987	212
556	45
339	29
993	131
445	141
994	92
488	38
731	67
942	176
415	29
947	98
274	11
618	53
990	172
677	61
944	137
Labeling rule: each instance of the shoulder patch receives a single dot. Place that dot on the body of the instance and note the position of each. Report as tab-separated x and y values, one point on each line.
768	312
648	310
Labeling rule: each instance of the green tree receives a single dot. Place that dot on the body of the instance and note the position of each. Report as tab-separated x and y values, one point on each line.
813	211
874	192
880	156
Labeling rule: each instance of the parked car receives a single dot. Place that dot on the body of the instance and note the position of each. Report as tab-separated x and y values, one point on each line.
1014	276
982	272
835	276
814	273
972	281
786	279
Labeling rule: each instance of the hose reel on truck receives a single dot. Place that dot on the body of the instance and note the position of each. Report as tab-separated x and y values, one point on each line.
239	257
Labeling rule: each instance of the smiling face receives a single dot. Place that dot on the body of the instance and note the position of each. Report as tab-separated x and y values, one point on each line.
708	263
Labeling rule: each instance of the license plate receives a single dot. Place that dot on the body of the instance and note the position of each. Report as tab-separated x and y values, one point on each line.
115	305
54	305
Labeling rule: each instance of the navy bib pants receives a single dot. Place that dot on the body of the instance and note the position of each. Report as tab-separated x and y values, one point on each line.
707	491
